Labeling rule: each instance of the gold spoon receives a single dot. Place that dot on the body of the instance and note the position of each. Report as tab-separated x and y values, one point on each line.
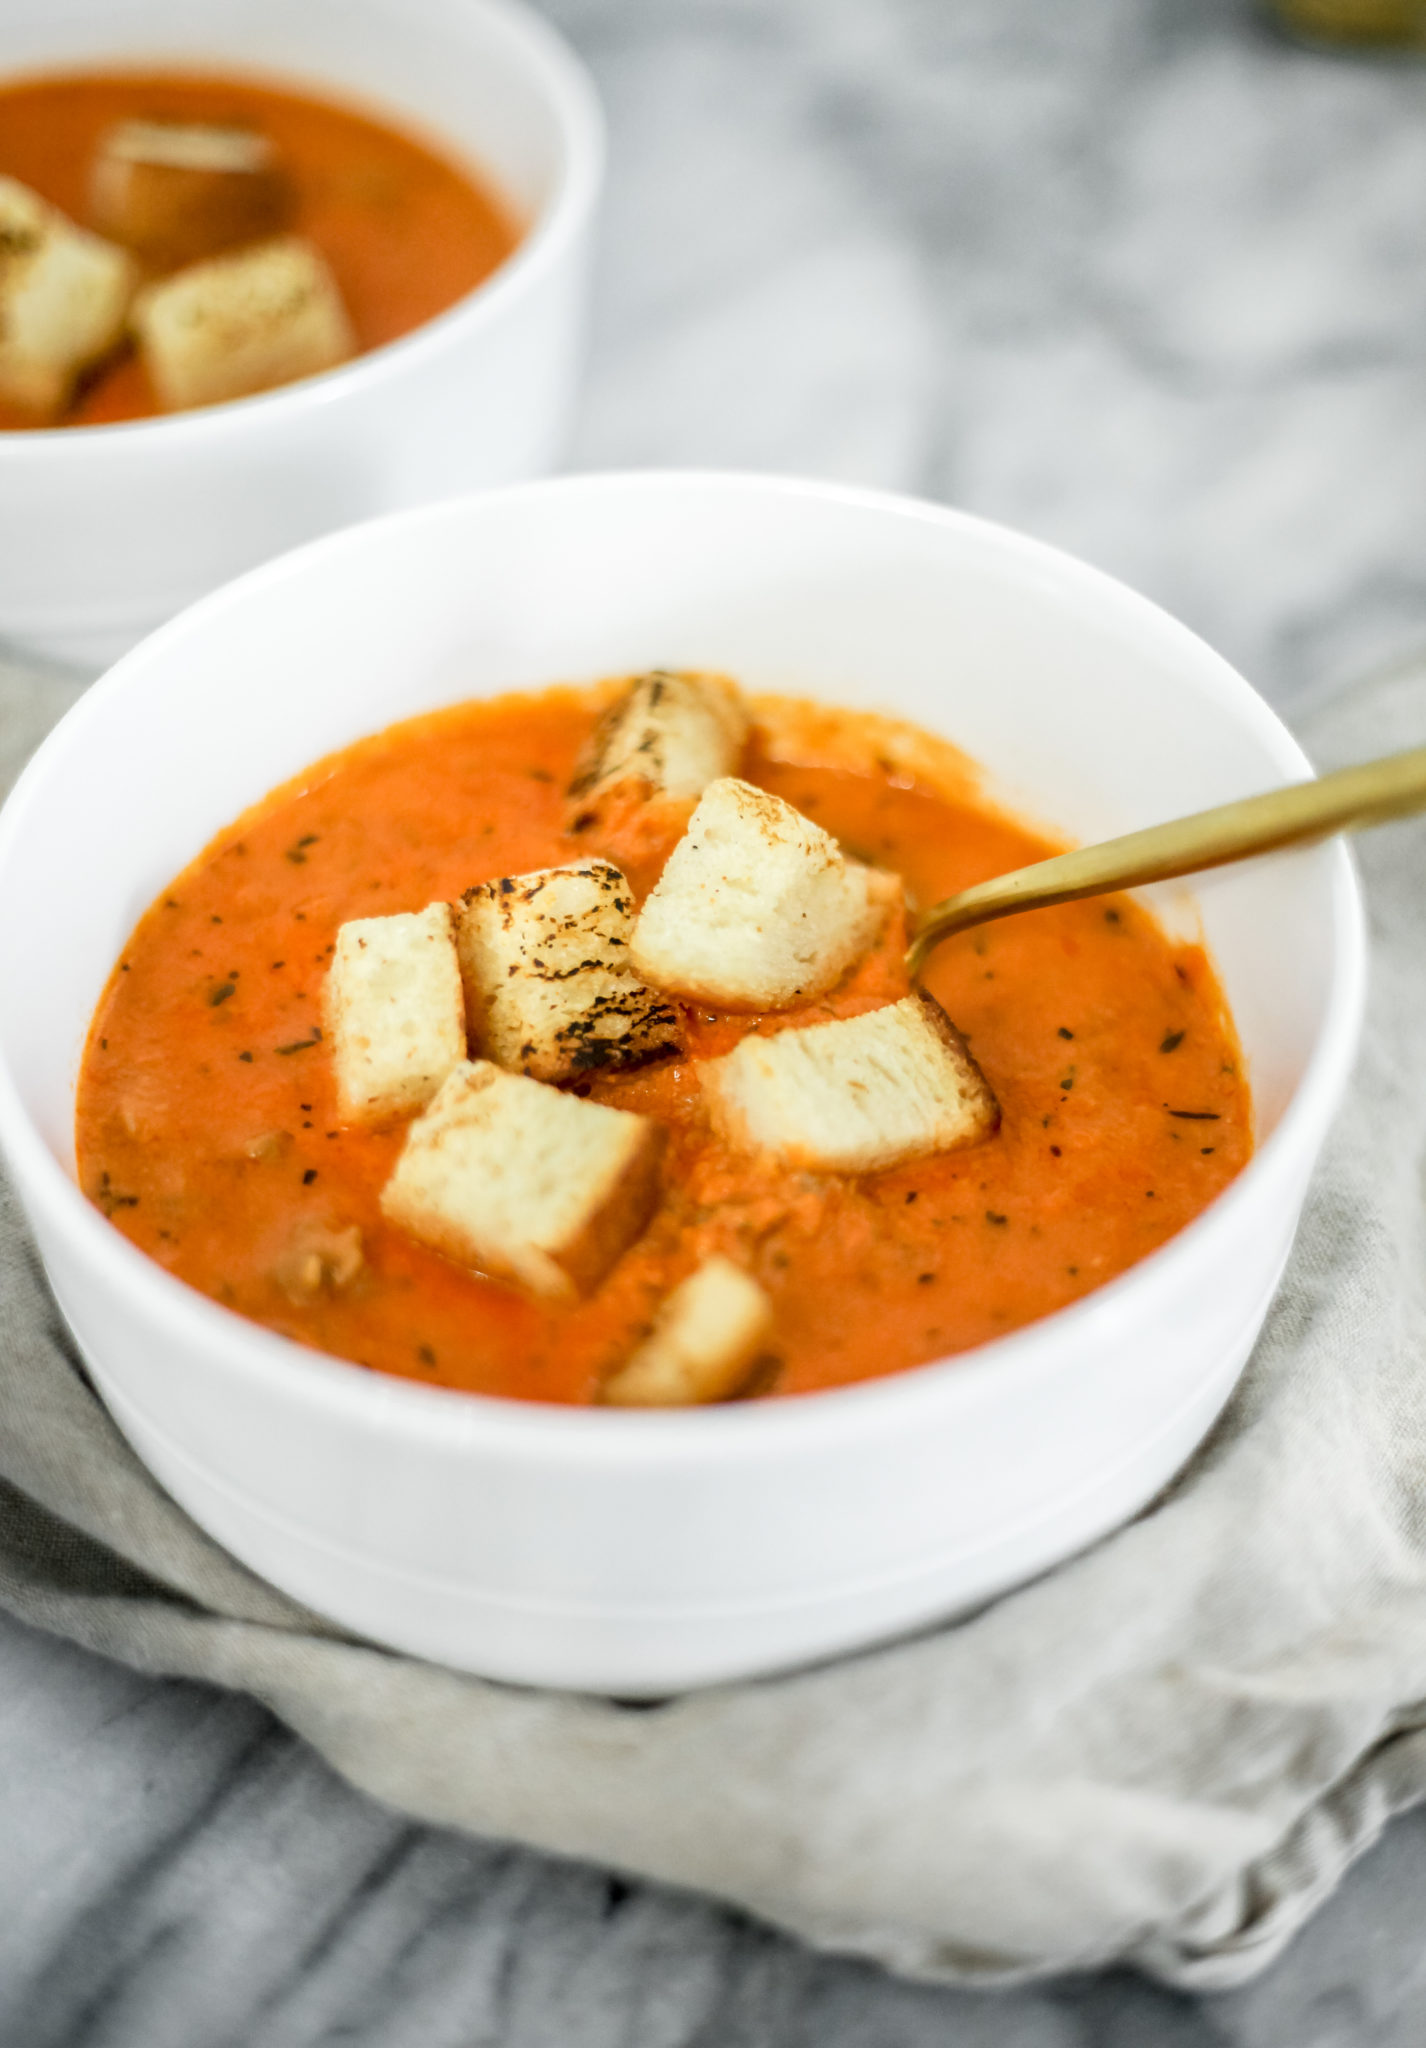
1369	795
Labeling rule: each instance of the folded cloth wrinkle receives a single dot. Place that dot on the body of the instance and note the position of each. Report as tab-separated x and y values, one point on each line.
1166	1752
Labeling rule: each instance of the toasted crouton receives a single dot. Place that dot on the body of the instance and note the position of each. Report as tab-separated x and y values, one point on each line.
522	1182
64	295
176	191
854	1095
709	1334
394	1012
545	961
241	323
666	737
756	908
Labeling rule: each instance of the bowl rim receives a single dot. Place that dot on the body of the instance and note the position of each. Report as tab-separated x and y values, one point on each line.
572	101
590	1437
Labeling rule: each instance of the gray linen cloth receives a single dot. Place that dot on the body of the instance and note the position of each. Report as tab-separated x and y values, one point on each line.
1167	1751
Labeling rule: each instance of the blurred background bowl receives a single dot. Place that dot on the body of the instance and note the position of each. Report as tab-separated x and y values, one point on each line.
619	1551
109	530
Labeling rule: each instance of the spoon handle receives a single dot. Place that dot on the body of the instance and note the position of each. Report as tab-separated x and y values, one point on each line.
1368	795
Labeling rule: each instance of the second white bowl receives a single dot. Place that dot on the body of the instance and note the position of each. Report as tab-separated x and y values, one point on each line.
109	530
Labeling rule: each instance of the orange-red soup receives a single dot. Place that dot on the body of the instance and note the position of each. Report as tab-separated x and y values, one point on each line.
206	1127
406	231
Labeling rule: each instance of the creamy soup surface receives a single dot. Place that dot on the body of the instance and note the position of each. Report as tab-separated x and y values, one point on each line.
207	1130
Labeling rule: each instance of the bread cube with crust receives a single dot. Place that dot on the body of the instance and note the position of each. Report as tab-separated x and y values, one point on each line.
176	191
854	1095
665	738
241	323
64	297
709	1334
394	1012
545	961
757	907
524	1183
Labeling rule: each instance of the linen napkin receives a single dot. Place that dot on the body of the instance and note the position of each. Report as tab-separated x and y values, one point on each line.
1165	1752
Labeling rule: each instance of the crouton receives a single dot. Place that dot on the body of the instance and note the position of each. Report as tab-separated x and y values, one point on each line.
176	191
64	295
526	1184
854	1095
545	962
666	737
756	908
710	1332
394	1012
241	323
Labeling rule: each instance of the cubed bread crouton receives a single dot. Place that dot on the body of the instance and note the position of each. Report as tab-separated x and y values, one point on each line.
175	191
525	1183
545	961
756	908
394	1012
667	736
710	1332
854	1095
241	323
64	296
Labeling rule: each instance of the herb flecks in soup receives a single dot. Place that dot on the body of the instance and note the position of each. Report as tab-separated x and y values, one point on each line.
243	234
209	1127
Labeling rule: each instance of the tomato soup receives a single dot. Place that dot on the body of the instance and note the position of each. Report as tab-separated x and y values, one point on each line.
207	1130
405	230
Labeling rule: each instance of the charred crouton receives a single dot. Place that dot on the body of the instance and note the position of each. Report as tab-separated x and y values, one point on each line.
756	908
854	1095
519	1181
241	323
394	1012
545	962
664	739
64	295
176	191
710	1332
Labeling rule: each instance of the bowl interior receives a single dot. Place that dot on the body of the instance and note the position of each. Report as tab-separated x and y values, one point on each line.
1093	711
479	78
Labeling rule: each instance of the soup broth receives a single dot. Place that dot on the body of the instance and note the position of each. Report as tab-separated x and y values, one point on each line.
207	1129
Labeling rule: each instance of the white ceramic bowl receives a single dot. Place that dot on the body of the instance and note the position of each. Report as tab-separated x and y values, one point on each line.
639	1553
109	530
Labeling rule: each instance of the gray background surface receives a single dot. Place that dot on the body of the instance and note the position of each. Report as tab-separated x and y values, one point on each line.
1131	274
